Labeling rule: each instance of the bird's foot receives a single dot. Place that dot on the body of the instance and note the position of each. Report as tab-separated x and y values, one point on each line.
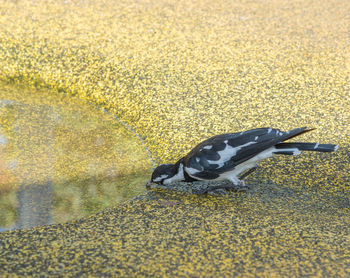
237	185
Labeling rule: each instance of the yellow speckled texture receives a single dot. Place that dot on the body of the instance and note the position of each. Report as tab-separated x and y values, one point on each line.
274	231
178	72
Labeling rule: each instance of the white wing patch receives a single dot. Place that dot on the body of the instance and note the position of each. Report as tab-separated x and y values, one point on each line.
161	178
178	177
191	171
208	147
227	153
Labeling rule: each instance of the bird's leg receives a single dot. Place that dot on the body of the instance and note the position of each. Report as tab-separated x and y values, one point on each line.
238	183
235	184
247	173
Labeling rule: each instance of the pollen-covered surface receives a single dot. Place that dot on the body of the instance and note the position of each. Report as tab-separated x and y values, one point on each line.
270	231
179	72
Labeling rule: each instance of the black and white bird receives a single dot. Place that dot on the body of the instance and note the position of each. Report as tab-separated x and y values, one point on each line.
226	156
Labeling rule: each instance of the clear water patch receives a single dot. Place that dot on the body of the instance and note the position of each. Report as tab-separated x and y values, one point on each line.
62	159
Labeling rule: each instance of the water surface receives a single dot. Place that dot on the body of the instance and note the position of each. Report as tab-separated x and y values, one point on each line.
61	158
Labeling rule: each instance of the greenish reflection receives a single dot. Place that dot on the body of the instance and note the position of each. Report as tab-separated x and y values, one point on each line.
62	159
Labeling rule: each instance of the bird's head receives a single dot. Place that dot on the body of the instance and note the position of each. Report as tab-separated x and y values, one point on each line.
167	173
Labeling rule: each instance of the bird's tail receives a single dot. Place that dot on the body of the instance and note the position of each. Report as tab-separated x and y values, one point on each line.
294	148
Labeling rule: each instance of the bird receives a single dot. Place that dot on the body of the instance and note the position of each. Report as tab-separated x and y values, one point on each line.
226	156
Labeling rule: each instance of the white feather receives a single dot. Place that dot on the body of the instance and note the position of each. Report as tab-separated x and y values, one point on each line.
161	178
227	153
178	177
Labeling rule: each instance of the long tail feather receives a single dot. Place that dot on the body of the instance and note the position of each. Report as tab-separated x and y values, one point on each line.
306	147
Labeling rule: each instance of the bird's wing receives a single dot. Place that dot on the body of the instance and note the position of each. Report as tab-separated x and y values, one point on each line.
222	153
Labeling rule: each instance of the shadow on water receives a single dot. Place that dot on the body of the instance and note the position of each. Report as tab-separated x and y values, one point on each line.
62	159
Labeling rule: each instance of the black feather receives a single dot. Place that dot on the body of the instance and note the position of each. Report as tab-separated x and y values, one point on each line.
308	146
263	139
